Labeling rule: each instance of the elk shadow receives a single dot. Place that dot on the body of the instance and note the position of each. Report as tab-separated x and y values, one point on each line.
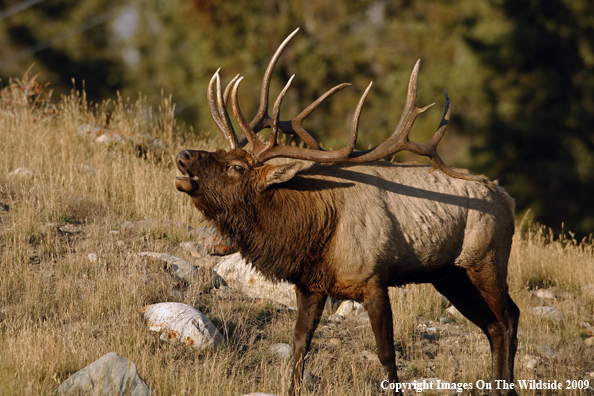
352	177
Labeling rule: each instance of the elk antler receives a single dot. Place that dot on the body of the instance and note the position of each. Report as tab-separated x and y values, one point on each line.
398	141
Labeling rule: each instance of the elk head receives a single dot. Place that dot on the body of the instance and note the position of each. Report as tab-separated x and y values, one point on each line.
216	179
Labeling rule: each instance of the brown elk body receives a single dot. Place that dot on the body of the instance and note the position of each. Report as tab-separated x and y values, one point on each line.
351	229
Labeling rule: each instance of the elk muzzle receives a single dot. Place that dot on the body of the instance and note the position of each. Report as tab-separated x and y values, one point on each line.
189	181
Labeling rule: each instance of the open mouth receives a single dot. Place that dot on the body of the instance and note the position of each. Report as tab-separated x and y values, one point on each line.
187	175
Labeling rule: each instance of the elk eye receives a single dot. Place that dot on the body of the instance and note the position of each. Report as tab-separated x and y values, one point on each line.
237	168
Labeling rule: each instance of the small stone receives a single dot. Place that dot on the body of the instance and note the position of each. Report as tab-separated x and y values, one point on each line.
545	294
282	350
549	313
334	342
445	320
92	257
589	341
547	352
181	267
531	364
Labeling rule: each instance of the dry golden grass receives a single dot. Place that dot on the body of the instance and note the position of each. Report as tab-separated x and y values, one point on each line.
59	311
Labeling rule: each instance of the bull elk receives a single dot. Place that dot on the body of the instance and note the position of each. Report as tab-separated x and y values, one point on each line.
350	225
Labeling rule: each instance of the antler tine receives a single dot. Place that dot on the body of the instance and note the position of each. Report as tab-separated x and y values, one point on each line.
436	161
261	116
399	137
228	90
276	114
295	126
241	139
313	154
249	133
218	111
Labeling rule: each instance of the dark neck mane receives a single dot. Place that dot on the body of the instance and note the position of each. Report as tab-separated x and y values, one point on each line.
284	232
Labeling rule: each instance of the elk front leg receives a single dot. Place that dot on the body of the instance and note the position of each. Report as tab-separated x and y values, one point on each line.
311	307
377	303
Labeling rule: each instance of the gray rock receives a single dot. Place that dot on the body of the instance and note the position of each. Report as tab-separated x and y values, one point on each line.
242	276
282	350
93	257
112	375
213	242
180	266
549	313
547	352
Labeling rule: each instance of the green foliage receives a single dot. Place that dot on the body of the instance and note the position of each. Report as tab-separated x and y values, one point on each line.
538	133
519	73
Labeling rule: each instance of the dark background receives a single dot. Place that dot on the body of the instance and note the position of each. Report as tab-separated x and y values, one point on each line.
520	74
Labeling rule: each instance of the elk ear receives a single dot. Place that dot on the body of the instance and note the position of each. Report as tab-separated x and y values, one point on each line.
274	174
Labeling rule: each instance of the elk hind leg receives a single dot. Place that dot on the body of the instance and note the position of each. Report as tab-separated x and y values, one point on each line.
377	303
310	308
487	304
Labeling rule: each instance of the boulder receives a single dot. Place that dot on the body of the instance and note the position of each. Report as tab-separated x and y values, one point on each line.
241	275
112	375
184	323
